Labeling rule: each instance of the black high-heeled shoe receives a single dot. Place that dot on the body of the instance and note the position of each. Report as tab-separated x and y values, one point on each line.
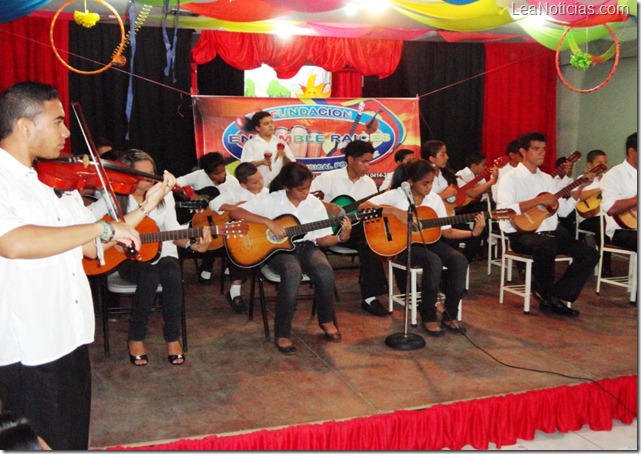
135	358
172	358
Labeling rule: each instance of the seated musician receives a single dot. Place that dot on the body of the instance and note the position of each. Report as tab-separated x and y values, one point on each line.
446	186
619	191
476	165
251	183
527	187
431	257
592	223
306	258
512	152
157	202
353	181
210	180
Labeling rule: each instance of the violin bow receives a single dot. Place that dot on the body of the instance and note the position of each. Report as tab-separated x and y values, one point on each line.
112	203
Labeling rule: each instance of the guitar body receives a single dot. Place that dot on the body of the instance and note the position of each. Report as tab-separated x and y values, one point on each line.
387	235
209	217
532	218
589	207
460	199
259	244
113	257
627	220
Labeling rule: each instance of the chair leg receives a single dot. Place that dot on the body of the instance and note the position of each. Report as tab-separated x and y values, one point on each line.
504	264
263	306
528	287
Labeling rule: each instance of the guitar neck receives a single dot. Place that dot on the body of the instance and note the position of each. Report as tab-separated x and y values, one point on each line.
352	130
301	229
354	205
566	190
458	219
170	235
470	184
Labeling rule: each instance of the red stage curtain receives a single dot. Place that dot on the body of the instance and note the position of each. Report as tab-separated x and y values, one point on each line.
27	55
519	96
248	50
347	84
500	420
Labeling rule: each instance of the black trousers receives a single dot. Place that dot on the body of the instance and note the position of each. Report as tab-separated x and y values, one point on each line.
627	239
373	281
594	225
543	247
55	397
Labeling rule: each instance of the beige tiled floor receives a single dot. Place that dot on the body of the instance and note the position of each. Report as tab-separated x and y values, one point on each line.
622	437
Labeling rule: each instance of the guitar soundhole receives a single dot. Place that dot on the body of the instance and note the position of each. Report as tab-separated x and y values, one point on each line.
272	238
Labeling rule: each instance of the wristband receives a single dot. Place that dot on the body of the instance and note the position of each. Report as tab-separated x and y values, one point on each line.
140	207
188	244
106	227
338	237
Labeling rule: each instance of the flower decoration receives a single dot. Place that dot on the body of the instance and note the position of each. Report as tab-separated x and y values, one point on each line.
85	19
581	61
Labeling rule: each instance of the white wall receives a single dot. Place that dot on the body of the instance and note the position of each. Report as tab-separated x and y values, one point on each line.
601	119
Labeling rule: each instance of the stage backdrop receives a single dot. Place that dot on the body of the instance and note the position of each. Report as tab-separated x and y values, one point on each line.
315	129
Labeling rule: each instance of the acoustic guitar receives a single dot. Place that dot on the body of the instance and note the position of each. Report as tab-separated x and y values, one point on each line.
185	208
151	238
209	218
573	157
461	198
589	207
260	243
532	218
349	205
387	235
627	219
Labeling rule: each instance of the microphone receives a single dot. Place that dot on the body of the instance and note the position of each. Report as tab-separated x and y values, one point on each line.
405	186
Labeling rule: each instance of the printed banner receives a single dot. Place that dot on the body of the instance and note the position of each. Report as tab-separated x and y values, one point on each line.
315	129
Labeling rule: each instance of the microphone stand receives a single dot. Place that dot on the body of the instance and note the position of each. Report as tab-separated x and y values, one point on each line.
406	341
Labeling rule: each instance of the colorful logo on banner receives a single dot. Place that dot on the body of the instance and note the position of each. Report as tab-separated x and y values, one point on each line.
320	149
316	129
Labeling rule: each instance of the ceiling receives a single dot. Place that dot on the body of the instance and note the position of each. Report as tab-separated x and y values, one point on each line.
422	20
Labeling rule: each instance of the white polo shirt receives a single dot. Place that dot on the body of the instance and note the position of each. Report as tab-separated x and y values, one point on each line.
254	150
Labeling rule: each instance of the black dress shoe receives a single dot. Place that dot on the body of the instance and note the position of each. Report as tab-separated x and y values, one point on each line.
560	307
204	280
237	304
374	308
458	329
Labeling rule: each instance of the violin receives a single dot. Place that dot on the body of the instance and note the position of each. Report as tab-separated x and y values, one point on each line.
80	172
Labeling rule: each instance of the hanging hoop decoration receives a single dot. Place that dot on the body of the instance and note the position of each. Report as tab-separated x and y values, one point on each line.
114	56
583	60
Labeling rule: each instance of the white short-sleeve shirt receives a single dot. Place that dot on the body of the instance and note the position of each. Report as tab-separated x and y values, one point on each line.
397	198
274	204
336	182
620	182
